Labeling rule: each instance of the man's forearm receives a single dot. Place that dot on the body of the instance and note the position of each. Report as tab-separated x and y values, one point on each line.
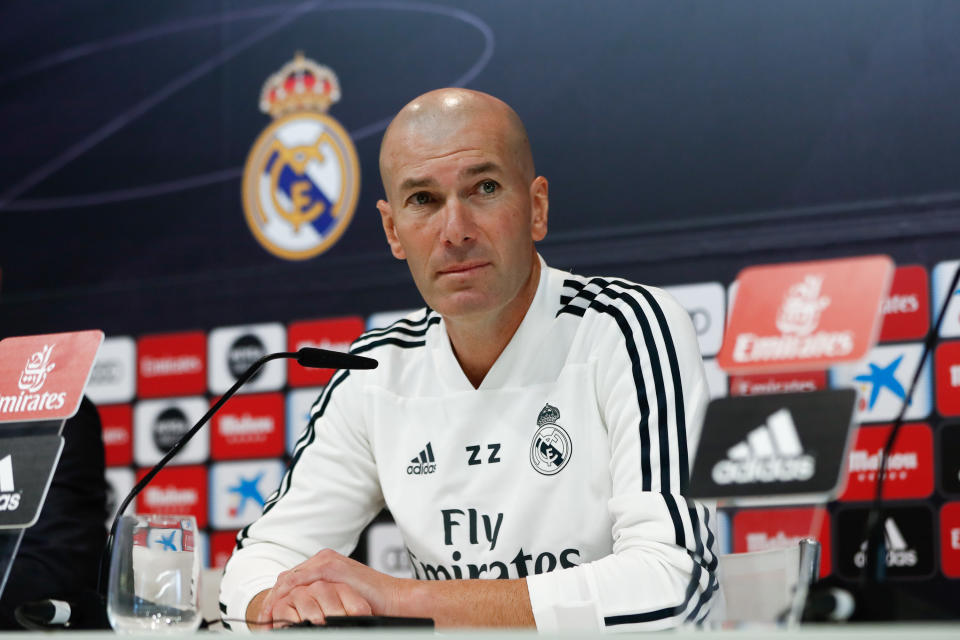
468	603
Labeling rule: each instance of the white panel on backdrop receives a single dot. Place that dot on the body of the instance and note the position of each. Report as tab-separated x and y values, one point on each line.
299	402
120	481
383	319
238	491
114	376
882	381
716	378
158	424
386	552
705	304
942	275
233	349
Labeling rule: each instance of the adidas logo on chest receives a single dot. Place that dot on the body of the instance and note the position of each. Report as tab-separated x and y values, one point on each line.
424	463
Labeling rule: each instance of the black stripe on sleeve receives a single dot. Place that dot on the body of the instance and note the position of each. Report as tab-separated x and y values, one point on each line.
675	374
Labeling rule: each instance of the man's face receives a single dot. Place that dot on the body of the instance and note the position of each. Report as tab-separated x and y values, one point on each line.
462	215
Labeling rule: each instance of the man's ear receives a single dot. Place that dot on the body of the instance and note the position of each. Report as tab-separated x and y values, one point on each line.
540	201
390	229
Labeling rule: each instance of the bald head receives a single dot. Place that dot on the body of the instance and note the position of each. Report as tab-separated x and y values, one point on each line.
439	116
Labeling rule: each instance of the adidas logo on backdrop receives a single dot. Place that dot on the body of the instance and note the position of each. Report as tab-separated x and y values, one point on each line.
9	496
771	453
899	554
423	464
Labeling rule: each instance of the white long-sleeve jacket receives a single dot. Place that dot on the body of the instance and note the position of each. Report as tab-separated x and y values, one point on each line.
567	466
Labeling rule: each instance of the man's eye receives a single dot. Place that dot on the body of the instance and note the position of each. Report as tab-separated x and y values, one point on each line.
488	187
420	198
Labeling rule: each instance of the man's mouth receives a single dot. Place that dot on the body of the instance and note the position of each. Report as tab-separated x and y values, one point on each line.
463	267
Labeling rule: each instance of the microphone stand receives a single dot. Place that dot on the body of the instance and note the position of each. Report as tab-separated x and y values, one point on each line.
307	356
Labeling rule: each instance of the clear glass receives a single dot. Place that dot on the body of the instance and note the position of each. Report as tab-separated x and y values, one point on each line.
154	575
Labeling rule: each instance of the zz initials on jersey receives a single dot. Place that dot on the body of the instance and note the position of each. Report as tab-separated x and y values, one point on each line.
492	457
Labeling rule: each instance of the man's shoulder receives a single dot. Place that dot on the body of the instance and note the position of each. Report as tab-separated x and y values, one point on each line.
611	299
406	333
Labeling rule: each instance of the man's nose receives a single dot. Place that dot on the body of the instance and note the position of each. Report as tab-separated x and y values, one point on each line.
458	224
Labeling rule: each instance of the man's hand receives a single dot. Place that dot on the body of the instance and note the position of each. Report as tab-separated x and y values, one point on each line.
328	584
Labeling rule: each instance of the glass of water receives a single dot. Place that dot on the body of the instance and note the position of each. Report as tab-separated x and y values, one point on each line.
154	575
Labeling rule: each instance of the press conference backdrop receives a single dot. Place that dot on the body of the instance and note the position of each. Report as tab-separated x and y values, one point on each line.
141	169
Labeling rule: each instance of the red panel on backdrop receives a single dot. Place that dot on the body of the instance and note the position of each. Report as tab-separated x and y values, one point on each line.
221	546
950	539
761	529
248	427
754	384
42	377
906	311
947	365
335	334
805	316
172	364
176	491
117	423
909	468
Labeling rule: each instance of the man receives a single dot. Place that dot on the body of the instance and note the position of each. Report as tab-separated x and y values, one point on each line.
529	425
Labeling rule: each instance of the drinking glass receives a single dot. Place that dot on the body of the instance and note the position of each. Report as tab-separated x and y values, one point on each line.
154	575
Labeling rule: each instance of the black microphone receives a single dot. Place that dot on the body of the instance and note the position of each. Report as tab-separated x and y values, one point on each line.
307	357
82	611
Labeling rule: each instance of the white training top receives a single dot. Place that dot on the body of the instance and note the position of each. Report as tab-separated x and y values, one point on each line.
566	466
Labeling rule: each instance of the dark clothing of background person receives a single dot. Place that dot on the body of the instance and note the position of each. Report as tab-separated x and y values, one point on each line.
59	556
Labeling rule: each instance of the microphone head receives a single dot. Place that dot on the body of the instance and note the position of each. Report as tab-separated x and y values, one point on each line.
326	359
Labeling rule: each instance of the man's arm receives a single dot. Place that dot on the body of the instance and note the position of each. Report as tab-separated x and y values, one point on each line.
332	584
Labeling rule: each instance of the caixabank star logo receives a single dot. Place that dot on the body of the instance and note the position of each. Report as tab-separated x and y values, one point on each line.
302	177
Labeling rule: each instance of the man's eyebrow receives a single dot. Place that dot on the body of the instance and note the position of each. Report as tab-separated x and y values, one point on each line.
477	169
416	183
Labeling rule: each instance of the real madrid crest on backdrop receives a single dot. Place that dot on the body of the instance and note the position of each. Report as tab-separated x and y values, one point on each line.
301	179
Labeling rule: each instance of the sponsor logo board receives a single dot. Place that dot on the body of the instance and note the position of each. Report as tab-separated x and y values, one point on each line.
948	447
716	378
947	366
908	536
705	303
176	491
222	544
882	380
114	378
386	552
158	424
299	402
942	276
906	310
249	426
909	467
805	315
335	334
117	427
239	490
120	481
772	445
171	364
233	349
758	383
950	539
42	377
764	529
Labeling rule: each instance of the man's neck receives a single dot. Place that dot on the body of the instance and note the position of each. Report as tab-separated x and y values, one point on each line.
478	341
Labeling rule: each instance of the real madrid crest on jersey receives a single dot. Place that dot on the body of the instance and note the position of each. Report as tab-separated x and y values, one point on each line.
301	179
551	448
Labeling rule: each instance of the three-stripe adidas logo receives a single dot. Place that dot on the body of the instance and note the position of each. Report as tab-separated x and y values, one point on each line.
422	464
770	453
9	498
899	553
